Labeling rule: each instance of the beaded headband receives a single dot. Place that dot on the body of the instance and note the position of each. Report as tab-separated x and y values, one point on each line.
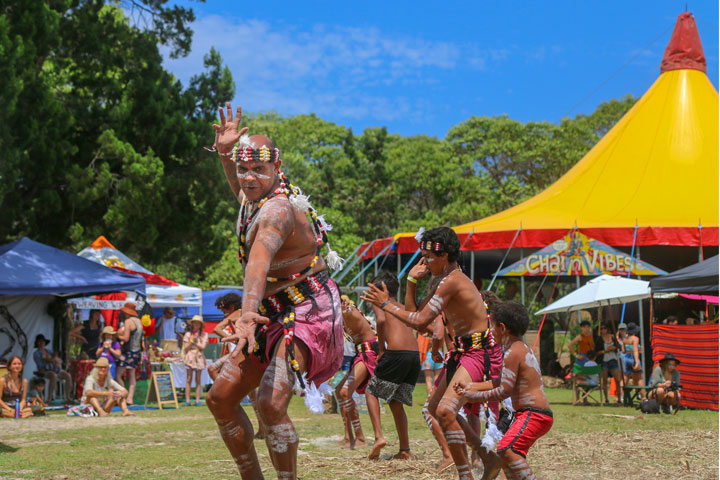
249	154
432	246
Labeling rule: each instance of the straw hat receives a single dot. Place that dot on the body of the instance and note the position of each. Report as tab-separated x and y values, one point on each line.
109	329
197	318
102	362
129	308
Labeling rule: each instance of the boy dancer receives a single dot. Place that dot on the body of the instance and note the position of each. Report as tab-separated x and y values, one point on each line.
476	357
398	367
521	380
363	367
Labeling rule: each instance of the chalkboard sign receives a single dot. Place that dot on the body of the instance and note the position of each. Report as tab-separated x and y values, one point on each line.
162	390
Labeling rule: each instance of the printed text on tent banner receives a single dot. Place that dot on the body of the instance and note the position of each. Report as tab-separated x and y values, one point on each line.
577	254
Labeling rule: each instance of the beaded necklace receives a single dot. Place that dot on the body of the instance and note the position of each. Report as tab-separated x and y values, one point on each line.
248	214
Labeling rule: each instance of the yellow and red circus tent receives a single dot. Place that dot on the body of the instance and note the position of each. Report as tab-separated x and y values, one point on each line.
656	169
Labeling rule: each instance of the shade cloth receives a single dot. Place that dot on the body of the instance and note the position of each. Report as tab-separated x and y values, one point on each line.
32	268
696	346
699	278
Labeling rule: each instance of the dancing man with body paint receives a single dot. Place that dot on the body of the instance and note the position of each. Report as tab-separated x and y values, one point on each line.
477	357
521	380
289	331
363	366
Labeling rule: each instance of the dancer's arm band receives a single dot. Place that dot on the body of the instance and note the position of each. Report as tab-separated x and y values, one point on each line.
412	279
382	307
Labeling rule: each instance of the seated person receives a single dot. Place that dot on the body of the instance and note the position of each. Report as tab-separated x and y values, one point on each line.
102	392
36	396
13	388
49	365
593	379
585	342
665	383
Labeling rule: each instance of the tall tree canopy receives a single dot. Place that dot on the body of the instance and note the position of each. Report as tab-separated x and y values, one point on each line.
99	139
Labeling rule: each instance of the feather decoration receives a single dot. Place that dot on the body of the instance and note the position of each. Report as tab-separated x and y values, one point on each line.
314	397
507	404
419	234
334	260
300	202
245	140
326	226
492	434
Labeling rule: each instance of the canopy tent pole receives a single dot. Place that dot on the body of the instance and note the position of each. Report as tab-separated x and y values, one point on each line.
632	262
507	252
397	265
353	262
642	329
522	283
407	265
472	265
545	315
372	262
700	259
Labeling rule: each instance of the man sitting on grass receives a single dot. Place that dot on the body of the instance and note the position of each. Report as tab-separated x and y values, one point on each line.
102	392
520	380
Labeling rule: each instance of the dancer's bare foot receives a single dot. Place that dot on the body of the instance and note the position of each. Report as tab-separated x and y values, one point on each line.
344	441
402	455
361	442
377	446
492	465
444	464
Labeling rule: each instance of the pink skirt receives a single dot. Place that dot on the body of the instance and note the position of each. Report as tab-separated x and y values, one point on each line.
320	329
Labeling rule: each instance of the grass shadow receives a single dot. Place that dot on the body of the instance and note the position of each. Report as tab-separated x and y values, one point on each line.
4	448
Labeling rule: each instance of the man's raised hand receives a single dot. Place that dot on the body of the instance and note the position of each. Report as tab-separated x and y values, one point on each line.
376	296
227	134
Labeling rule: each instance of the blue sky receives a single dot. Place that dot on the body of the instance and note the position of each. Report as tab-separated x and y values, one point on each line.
420	67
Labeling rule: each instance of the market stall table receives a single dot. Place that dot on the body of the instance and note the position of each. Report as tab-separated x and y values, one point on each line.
179	373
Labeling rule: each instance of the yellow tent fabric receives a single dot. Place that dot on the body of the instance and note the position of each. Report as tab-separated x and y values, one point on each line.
657	167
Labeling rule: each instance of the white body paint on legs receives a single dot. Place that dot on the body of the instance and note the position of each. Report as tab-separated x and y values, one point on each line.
244	462
464	472
455	437
280	436
521	470
285	475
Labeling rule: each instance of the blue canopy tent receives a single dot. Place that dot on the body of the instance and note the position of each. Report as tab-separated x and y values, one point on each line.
31	275
210	312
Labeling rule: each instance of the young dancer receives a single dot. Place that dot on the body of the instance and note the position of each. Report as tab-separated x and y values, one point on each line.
398	367
521	380
361	370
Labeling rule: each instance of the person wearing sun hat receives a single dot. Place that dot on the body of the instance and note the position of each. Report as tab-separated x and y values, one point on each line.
109	347
194	342
665	383
102	392
132	335
49	366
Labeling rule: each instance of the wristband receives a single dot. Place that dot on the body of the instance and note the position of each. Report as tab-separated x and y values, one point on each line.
382	307
412	279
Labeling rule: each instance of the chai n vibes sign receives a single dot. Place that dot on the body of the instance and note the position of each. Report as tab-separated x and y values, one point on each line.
577	254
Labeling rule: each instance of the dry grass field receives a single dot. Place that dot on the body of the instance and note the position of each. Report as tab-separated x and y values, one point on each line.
185	444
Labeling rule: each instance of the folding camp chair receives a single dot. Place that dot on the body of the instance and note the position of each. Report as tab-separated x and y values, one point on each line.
582	392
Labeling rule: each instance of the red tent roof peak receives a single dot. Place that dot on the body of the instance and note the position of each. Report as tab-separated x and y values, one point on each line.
684	51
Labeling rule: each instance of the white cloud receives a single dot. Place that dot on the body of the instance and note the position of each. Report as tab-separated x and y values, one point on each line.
328	70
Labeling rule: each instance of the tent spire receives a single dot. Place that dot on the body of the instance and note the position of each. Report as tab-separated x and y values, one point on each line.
684	51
